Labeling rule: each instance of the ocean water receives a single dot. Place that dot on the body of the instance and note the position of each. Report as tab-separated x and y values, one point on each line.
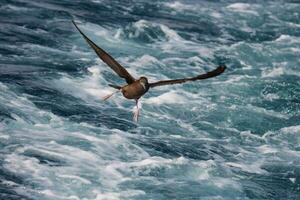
236	136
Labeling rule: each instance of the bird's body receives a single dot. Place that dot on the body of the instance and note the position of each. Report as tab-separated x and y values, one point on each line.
136	88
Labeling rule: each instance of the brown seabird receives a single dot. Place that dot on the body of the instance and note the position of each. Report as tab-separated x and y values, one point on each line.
136	88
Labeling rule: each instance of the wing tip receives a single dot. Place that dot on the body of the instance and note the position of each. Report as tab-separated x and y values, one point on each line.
222	68
74	23
78	29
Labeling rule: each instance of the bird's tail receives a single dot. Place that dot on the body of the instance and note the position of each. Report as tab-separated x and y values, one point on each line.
115	86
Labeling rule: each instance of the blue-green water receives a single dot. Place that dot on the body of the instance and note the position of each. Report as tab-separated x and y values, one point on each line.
236	136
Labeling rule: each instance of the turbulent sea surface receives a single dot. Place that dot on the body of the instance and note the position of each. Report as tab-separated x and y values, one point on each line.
236	136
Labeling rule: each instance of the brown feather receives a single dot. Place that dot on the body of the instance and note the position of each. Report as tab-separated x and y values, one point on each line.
105	57
210	74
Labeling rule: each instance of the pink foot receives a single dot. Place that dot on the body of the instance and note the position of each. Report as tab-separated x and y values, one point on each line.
109	95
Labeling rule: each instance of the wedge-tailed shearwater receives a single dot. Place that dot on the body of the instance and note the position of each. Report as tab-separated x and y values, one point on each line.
136	88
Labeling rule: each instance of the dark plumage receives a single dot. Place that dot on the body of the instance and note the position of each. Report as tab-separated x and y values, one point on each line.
135	89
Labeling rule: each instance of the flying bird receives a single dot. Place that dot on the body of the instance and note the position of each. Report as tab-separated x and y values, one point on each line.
136	88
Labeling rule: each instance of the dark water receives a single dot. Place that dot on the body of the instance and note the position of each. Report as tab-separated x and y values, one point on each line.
236	136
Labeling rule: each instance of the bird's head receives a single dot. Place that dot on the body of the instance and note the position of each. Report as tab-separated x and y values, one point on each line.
144	81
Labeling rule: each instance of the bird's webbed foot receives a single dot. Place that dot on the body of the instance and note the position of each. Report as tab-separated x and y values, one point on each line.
110	95
136	111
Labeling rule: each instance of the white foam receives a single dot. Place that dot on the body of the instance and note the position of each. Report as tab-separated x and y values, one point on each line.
216	14
249	167
266	149
139	64
204	176
293	24
139	27
288	39
239	6
78	161
293	180
236	79
47	193
73	197
273	72
97	1
271	96
291	130
103	33
118	34
8	183
176	136
267	112
145	164
73	177
45	49
21	165
15	8
171	34
23	110
167	98
47	139
205	168
225	183
186	126
176	43
242	8
178	6
172	41
278	71
107	196
117	195
295	50
268	134
283	38
251	135
141	24
88	88
146	60
3	136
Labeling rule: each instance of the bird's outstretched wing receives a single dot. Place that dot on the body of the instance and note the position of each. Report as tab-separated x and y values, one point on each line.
210	74
105	57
